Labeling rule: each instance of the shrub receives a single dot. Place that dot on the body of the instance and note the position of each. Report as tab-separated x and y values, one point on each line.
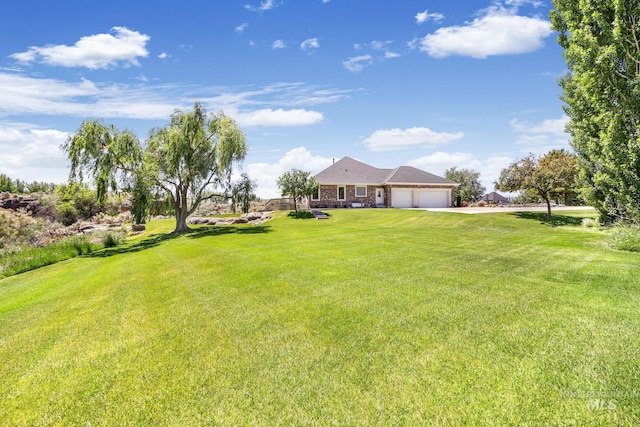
590	223
80	244
66	213
625	238
113	238
18	228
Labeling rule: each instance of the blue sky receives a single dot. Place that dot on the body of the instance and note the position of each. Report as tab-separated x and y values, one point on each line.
432	84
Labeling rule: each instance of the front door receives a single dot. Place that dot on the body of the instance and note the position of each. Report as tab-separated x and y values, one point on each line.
379	196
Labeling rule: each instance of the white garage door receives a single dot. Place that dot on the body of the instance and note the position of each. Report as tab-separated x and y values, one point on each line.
436	198
401	198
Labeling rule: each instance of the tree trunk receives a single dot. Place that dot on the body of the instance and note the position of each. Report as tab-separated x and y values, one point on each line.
548	207
181	209
181	220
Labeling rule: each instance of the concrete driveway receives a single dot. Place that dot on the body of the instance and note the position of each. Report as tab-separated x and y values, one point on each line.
500	209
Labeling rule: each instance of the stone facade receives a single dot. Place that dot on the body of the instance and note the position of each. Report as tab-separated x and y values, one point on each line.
329	195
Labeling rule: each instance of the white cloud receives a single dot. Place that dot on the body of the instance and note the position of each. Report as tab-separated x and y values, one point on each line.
164	55
499	32
357	63
379	45
518	3
266	174
280	104
554	126
310	44
279	117
440	161
31	153
491	168
541	137
265	5
240	28
26	95
397	139
278	44
97	51
424	16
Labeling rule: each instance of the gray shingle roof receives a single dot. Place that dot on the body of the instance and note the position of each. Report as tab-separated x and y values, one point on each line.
351	171
411	175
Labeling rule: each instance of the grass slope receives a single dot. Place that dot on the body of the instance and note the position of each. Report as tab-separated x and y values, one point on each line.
373	317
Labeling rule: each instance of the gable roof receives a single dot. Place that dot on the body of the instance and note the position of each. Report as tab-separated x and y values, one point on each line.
351	171
348	170
495	197
411	175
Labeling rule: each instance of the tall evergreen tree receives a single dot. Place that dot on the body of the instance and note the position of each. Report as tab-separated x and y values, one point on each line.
601	42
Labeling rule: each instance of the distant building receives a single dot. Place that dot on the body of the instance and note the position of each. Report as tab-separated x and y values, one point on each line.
351	183
494	197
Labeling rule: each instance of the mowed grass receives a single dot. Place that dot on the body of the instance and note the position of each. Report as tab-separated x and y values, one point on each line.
372	317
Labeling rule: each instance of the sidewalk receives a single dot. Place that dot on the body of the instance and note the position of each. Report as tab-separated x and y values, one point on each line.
500	209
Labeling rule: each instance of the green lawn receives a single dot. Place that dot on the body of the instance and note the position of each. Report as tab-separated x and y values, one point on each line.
372	317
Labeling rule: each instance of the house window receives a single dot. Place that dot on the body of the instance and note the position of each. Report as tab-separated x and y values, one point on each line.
342	193
316	195
361	191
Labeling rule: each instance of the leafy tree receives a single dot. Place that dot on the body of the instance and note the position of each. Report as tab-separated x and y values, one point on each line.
470	189
39	186
297	184
550	176
188	159
6	184
601	91
140	198
21	187
242	192
526	196
76	201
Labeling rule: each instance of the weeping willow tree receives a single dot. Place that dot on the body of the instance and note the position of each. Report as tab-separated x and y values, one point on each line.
191	159
601	91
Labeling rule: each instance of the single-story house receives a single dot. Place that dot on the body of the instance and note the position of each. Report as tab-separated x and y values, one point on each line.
494	197
350	183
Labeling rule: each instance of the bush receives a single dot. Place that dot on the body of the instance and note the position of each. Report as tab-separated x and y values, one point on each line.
590	223
113	238
625	238
66	213
18	228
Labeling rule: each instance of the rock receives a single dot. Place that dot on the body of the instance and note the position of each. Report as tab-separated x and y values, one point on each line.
138	227
87	229
197	220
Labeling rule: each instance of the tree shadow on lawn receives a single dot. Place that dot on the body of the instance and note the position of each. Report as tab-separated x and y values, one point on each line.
554	221
195	233
305	214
